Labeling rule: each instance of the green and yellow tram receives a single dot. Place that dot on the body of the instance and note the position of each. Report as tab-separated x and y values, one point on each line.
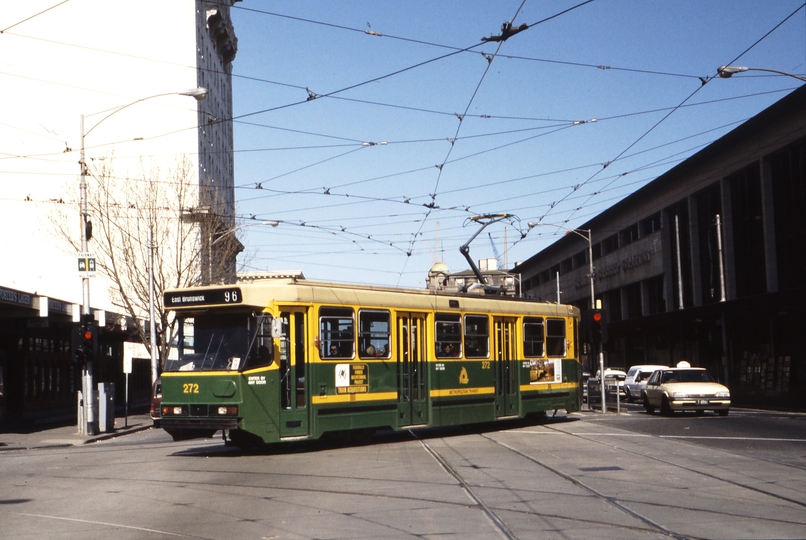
285	359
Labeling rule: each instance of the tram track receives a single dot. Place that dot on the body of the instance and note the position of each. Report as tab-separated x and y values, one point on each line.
756	489
499	523
496	521
648	524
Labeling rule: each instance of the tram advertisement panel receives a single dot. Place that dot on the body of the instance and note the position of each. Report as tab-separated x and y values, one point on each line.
352	379
545	371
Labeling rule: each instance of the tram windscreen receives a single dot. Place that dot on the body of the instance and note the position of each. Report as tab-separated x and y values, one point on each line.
212	342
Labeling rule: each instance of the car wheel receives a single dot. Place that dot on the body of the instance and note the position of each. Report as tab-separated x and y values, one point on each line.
648	407
665	408
627	394
722	412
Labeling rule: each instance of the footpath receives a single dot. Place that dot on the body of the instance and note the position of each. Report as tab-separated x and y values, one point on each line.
60	436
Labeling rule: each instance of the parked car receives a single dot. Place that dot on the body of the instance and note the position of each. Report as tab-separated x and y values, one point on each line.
685	388
617	374
636	379
156	402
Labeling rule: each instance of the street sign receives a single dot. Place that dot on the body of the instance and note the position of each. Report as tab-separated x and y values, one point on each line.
86	265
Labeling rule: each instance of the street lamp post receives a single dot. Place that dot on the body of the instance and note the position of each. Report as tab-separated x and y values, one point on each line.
586	236
726	71
89	423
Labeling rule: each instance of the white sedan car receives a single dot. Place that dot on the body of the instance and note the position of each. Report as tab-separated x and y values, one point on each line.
685	388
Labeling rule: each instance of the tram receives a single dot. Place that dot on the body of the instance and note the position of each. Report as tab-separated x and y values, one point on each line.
286	359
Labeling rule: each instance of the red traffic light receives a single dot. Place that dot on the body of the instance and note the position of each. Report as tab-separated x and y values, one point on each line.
597	316
87	335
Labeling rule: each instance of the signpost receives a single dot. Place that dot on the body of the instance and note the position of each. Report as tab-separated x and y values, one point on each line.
86	264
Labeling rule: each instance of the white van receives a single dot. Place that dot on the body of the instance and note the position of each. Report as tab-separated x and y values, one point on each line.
636	379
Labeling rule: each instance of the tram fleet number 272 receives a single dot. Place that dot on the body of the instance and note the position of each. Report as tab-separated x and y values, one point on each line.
285	359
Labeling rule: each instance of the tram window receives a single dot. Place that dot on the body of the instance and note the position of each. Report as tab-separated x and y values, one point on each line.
336	333
449	335
555	337
477	336
261	350
534	341
373	334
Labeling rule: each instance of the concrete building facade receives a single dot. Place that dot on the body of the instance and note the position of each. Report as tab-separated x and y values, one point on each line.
705	263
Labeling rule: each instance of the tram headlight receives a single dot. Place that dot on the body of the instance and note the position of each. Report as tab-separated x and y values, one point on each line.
174	410
227	410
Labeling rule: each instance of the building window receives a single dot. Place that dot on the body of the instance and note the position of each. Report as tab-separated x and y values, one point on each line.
649	225
656	295
565	266
748	232
609	244
628	235
632	297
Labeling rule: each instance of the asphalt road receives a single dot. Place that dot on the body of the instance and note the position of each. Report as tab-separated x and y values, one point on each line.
581	476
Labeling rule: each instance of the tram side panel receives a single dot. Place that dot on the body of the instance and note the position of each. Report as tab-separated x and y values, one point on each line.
462	392
353	395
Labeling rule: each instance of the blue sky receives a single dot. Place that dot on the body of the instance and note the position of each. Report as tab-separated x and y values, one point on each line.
369	132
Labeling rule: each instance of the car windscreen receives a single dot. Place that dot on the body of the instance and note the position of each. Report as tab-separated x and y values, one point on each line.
687	375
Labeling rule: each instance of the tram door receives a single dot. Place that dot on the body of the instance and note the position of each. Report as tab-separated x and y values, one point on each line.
412	370
506	370
293	376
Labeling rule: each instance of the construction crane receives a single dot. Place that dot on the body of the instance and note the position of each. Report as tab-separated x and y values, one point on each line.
495	252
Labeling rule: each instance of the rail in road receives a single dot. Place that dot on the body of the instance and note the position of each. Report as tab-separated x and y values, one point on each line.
568	477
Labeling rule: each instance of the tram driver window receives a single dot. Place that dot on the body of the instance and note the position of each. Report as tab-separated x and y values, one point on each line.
373	334
261	350
534	341
336	333
555	337
449	335
477	336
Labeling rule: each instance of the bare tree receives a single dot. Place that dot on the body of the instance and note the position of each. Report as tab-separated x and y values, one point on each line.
193	245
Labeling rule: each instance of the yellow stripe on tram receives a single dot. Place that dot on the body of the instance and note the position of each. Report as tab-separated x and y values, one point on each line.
451	392
348	398
548	386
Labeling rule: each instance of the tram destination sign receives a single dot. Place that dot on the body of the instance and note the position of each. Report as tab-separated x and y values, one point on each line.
230	295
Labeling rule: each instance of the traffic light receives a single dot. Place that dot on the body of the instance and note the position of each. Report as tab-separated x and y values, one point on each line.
594	326
85	343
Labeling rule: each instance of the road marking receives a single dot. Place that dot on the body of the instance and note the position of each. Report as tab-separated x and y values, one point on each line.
580	434
764	439
583	434
116	525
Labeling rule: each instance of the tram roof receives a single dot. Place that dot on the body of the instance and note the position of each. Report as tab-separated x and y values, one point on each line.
261	292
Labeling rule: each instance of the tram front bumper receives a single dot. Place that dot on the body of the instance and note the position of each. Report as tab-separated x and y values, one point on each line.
206	424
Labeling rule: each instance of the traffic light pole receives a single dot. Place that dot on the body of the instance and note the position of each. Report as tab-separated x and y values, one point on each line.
89	424
602	378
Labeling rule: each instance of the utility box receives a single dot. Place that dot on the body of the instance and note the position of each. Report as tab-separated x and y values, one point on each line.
106	407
